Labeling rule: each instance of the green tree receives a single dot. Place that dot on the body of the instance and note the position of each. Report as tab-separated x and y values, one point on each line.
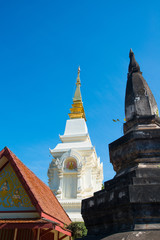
78	229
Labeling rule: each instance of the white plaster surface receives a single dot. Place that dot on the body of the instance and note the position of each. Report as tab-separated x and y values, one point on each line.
72	185
75	127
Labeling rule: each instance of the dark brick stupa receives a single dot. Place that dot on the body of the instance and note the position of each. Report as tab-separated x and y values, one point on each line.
129	206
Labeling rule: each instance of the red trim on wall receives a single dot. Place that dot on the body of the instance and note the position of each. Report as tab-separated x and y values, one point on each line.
27	225
44	215
45	232
62	230
62	237
2	225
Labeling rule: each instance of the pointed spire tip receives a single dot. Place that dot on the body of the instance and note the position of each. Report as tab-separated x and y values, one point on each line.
133	65
77	110
131	52
78	76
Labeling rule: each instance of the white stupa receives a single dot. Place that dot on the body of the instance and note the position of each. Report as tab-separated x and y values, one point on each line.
75	172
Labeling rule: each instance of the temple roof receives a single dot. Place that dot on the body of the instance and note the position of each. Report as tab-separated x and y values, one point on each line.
139	100
40	194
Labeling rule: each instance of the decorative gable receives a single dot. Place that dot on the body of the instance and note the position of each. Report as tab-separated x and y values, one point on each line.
13	196
23	195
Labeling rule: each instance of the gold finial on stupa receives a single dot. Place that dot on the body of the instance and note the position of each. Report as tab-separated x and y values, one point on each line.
78	78
77	110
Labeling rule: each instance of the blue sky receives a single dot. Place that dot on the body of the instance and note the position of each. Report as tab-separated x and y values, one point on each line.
42	43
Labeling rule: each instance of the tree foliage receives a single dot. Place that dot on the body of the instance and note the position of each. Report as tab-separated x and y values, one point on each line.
78	229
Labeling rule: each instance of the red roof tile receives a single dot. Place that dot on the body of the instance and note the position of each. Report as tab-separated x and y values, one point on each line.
41	195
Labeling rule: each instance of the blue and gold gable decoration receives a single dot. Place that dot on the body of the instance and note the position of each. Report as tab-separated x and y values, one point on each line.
13	196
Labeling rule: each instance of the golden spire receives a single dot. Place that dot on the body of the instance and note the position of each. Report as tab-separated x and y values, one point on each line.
77	110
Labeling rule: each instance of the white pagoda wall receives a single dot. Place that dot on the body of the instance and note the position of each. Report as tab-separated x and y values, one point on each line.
75	172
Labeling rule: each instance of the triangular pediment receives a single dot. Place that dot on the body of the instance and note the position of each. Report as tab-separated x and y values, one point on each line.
23	195
13	196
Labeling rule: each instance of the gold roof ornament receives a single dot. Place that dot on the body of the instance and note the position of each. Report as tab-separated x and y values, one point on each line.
77	110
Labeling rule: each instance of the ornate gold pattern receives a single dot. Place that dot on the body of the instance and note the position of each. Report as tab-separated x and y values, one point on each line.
12	193
71	165
77	110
